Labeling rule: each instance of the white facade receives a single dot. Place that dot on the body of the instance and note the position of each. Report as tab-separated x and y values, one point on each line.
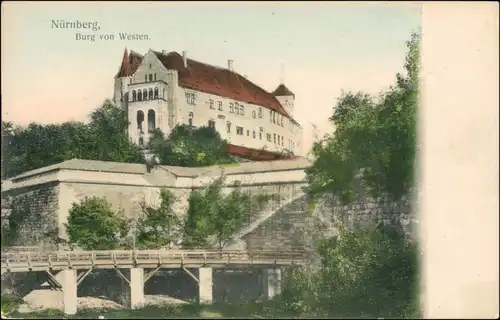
240	123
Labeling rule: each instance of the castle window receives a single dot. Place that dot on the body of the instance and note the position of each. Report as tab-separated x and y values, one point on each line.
228	127
282	142
231	107
145	78
248	133
261	132
211	104
270	115
151	121
156	93
141	142
254	114
278	139
268	136
239	130
242	110
150	77
140	119
211	124
274	117
145	94
150	93
155	76
253	134
150	66
139	95
134	95
236	108
274	135
190	119
220	105
190	98
282	121
260	112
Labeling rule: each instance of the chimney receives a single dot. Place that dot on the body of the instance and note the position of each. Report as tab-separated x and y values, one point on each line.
185	58
230	64
164	52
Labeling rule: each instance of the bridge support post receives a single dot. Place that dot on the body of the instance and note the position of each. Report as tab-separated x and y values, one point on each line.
132	287
205	285
272	282
136	287
70	300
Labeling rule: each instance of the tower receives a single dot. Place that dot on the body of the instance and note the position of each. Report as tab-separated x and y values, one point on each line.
122	80
284	96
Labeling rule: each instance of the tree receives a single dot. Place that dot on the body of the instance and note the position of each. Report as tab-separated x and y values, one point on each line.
374	272
104	138
190	147
93	225
375	269
374	139
156	228
213	217
109	126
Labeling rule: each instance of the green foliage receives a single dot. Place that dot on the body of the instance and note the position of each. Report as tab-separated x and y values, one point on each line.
365	273
93	225
213	217
10	303
190	147
155	229
103	138
374	139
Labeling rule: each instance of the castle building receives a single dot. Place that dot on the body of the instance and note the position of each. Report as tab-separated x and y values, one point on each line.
164	89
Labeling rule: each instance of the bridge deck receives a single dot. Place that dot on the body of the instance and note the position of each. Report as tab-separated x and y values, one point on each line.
42	261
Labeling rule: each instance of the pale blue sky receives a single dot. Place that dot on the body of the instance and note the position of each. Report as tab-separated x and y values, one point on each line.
48	76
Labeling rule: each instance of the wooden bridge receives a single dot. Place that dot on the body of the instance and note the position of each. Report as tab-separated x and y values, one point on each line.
148	259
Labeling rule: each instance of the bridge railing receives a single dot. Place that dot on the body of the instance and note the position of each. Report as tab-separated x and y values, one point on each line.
122	256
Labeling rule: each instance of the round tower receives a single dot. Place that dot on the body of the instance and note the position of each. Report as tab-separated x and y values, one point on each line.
285	97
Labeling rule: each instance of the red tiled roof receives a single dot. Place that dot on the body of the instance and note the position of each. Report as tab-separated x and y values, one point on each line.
210	79
282	90
256	154
130	63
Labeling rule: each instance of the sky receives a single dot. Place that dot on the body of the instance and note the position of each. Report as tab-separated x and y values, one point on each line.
318	48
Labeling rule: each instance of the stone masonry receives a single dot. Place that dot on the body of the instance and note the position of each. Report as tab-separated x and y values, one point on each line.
40	199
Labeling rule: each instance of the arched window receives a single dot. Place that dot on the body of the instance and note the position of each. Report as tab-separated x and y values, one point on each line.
134	95
151	120
139	95
254	114
156	92
150	94
140	119
145	94
229	126
190	119
141	142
